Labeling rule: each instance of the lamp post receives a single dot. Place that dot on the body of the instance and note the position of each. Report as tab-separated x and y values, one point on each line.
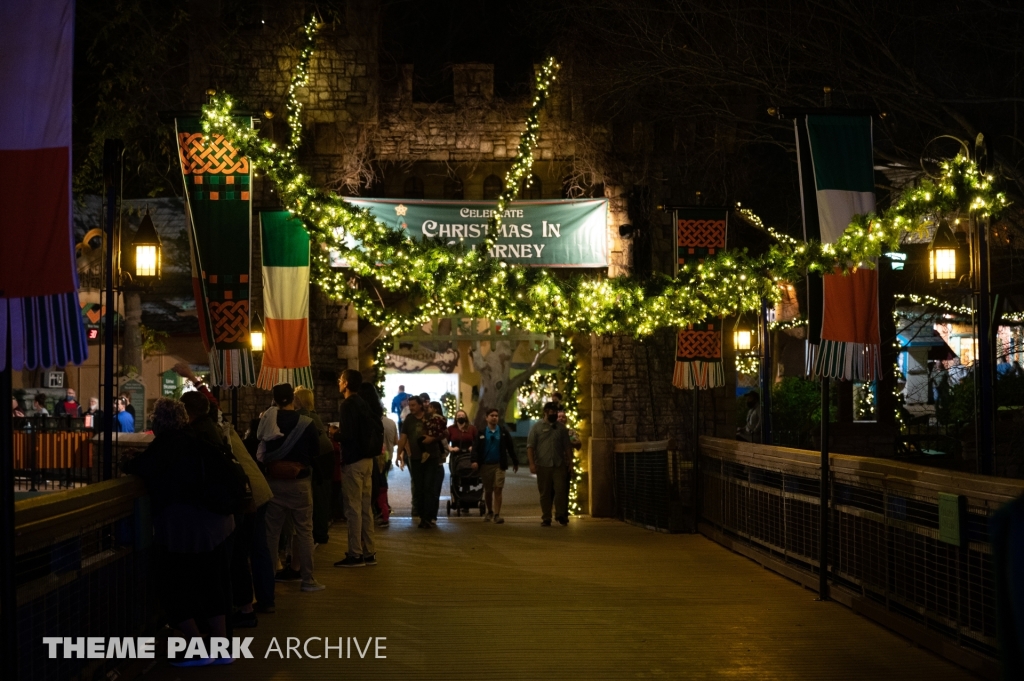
944	269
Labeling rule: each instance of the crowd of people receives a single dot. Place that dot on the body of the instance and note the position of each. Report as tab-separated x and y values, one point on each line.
234	518
68	407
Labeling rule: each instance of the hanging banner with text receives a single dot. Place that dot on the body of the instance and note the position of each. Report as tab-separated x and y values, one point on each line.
538	233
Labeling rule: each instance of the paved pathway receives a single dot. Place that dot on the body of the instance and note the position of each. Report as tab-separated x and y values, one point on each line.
598	599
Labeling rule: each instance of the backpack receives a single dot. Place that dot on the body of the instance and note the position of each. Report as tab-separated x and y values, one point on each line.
225	488
372	436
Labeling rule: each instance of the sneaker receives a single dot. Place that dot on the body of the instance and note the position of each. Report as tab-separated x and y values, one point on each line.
424	525
383	523
244	620
498	520
264	609
287	575
370	559
545	523
193	662
489	517
351	561
313	586
433	523
563	521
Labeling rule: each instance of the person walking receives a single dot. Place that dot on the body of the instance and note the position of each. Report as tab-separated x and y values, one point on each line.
382	462
409	450
433	454
323	467
459	441
398	404
549	451
361	436
492	450
415	448
289	443
125	420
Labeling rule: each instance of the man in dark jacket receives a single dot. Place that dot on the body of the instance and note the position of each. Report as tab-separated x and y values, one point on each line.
491	453
356	433
289	443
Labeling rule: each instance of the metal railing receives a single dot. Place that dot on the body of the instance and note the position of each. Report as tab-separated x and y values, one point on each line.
50	456
654	486
82	569
886	558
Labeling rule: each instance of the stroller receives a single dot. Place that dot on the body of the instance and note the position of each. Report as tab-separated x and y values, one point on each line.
467	488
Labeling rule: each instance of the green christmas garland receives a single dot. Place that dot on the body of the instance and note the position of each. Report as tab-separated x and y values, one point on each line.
435	275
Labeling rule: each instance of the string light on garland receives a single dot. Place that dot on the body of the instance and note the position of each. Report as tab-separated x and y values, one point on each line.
748	365
433	275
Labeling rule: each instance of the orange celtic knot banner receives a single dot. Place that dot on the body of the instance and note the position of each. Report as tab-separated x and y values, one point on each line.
213	156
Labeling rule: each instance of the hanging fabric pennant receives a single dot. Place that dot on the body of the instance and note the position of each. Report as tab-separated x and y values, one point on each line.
285	301
700	233
218	207
835	161
38	276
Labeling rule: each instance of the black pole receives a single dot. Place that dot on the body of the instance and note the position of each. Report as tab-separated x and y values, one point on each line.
8	589
984	367
767	378
696	457
112	151
234	407
823	497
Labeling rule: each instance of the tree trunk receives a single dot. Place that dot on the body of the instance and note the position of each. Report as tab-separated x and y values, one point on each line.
497	387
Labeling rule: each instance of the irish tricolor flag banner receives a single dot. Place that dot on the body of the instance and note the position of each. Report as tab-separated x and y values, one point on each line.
285	301
837	182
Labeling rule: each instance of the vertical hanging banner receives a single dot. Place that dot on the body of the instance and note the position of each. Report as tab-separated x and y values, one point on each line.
38	275
835	161
285	301
700	233
218	207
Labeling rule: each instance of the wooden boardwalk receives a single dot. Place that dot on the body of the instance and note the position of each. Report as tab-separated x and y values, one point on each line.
595	600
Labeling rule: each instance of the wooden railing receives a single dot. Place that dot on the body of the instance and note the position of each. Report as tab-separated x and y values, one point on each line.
654	486
81	565
888	558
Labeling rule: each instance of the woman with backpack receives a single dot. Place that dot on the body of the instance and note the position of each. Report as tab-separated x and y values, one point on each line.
192	491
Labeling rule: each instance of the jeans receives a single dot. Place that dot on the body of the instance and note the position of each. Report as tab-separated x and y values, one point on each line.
416	469
432	478
293	498
356	481
260	561
553	485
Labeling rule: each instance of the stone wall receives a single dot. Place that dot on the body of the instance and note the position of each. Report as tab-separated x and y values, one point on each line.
364	133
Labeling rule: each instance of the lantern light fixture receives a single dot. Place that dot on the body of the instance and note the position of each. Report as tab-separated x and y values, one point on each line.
147	250
942	254
256	334
743	340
